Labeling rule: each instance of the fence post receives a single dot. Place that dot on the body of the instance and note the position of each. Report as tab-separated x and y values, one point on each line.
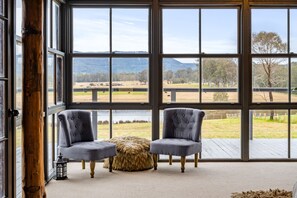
173	95
94	114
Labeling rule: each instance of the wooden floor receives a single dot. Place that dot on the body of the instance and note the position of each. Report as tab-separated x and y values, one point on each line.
220	149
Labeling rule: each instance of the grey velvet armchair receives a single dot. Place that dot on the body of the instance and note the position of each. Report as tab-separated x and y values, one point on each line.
76	140
181	135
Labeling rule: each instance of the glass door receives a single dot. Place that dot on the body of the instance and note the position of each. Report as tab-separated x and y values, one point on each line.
3	101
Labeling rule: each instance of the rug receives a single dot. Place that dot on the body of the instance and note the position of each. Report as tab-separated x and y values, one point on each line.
263	194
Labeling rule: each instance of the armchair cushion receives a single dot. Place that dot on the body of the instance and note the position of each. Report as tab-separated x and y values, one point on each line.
92	151
174	146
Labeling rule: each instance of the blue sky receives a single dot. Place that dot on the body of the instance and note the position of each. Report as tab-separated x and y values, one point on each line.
180	29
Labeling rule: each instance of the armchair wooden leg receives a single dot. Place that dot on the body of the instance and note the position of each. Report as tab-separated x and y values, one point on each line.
170	159
110	163
92	167
183	161
155	158
83	164
196	160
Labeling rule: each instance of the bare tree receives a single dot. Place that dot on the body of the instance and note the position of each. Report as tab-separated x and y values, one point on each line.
268	72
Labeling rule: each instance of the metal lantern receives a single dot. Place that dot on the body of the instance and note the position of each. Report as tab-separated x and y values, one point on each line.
61	168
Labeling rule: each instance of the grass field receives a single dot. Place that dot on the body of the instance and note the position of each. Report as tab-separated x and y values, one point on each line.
215	128
184	97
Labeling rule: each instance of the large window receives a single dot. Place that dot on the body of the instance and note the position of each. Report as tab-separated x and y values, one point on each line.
115	64
272	129
200	52
129	62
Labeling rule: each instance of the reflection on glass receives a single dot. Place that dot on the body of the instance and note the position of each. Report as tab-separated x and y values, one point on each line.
293	30
180	80
49	32
90	80
130	79
59	79
50	79
220	80
2	48
56	25
18	129
269	31
221	134
50	167
2	6
132	123
91	30
294	79
293	133
2	169
2	109
270	80
102	119
180	31
18	20
130	30
219	30
19	77
268	134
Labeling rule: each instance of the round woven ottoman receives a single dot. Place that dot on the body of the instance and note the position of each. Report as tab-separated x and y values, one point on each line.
132	154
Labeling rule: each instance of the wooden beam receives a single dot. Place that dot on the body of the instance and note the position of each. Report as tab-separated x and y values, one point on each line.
32	144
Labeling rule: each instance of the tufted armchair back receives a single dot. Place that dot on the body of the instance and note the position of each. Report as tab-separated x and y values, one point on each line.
75	127
184	123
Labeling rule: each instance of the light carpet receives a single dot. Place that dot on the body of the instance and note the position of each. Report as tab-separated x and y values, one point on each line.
209	180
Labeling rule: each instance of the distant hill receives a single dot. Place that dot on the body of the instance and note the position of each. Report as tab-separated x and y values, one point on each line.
121	65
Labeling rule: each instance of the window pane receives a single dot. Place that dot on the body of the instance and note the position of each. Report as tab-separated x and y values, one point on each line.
91	30
269	134
293	28
2	49
130	79
19	77
2	7
219	30
102	128
56	25
293	134
294	80
59	79
270	80
269	31
2	168
2	109
90	80
19	17
180	31
220	80
56	135
132	123
130	30
221	134
180	80
18	121
50	159
49	31
50	79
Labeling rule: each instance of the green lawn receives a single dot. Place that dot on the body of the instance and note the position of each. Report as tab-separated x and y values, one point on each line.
215	128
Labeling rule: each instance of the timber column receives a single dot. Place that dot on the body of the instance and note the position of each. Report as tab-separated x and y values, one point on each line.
32	136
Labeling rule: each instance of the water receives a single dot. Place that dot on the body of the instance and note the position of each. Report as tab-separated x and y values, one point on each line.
125	115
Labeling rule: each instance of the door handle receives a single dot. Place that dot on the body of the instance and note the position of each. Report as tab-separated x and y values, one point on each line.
13	112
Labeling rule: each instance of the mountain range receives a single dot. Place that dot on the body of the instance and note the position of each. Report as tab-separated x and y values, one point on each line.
123	65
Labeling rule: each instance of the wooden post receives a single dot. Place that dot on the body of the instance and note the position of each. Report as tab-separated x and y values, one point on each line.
32	147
